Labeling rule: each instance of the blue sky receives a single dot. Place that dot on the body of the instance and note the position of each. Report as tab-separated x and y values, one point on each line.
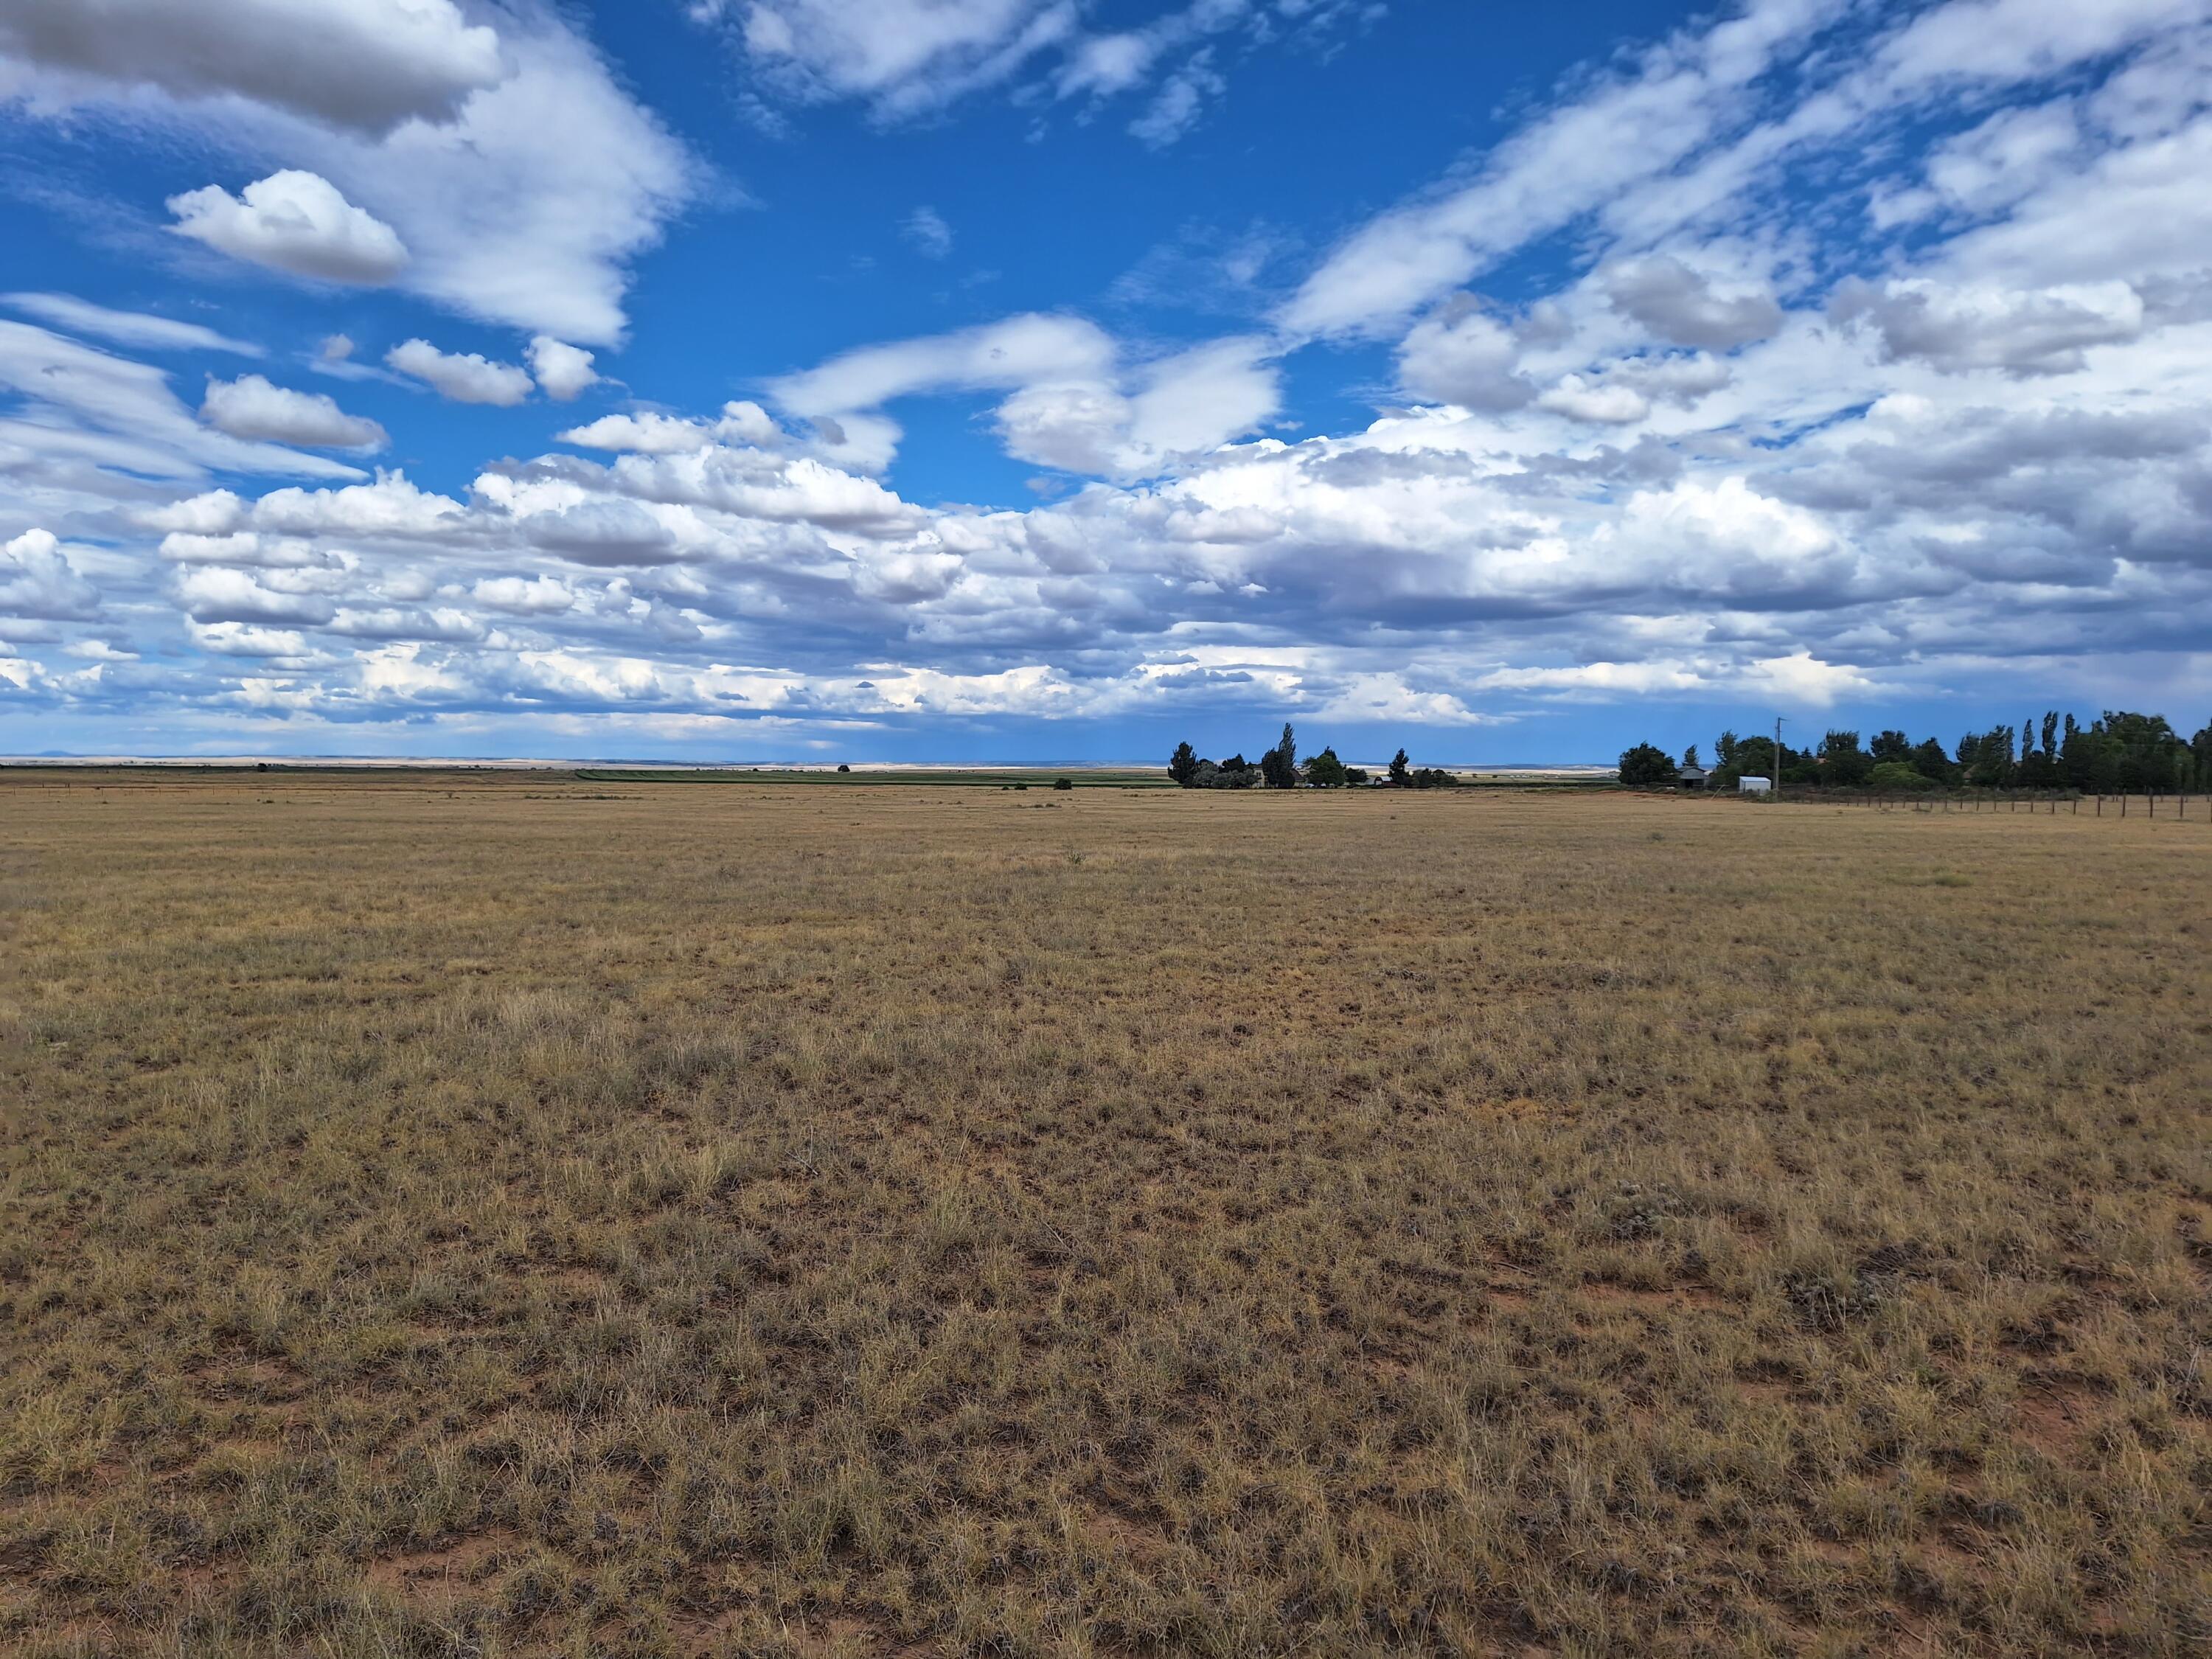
1041	380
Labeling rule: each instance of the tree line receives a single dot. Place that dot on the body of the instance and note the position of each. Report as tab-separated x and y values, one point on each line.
1279	769
2117	753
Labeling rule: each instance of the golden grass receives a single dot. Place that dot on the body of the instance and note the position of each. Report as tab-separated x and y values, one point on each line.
498	1216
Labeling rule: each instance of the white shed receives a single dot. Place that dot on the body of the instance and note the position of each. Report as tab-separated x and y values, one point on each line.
1754	786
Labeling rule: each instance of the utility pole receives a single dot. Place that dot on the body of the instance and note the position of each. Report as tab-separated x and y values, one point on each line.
1777	758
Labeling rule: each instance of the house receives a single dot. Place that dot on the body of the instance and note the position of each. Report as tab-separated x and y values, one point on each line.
1754	786
1690	777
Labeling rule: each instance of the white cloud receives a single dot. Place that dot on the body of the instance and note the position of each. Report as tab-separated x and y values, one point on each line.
368	65
1204	396
1180	102
238	639
1581	399
1108	64
910	58
564	371
537	597
215	593
646	433
1020	352
903	55
479	212
1698	469
1683	307
1625	129
926	228
250	407
1959	329
391	507
1460	353
650	433
132	329
296	221
1075	404
464	377
37	580
98	426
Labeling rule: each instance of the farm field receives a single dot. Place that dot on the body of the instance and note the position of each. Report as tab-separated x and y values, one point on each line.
485	1215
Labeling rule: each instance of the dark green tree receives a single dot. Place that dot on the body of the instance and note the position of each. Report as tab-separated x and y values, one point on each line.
1401	769
1183	765
1646	766
1325	771
2147	750
1690	756
1843	762
1277	770
1891	746
1988	759
1898	777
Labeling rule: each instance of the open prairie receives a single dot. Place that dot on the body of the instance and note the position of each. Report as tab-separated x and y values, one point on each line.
507	1215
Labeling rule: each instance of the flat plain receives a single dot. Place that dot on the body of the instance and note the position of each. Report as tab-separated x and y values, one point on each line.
513	1215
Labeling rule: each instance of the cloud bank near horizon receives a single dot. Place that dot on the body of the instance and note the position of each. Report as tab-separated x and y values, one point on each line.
1871	357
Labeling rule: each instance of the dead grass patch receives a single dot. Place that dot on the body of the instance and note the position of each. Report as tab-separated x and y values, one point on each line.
773	1221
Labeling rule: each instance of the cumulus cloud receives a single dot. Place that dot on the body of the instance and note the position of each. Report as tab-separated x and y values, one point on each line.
132	329
652	433
366	64
238	639
250	407
1462	354
603	532
37	581
564	371
465	377
1959	329
537	596
216	593
1684	308
1579	398
295	222
473	210
1696	469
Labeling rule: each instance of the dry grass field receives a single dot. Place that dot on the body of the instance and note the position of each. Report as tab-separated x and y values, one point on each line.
487	1216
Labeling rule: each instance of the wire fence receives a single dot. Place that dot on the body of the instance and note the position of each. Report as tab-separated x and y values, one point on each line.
2179	804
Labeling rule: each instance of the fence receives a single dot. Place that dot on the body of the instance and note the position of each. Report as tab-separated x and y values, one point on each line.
2051	802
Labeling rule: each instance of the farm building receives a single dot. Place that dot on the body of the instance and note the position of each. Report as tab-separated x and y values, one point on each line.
1690	777
1754	786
